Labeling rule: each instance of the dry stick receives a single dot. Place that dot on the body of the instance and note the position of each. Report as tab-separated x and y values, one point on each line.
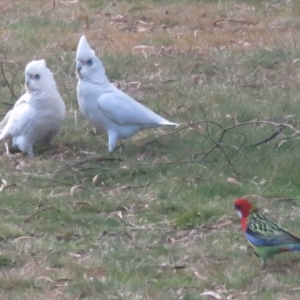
262	122
255	122
5	57
209	151
272	136
218	144
278	162
124	187
175	131
3	73
95	160
44	209
6	81
168	163
280	126
13	80
232	163
284	125
138	227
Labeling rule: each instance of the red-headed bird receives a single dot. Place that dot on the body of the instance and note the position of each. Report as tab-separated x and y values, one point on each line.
266	237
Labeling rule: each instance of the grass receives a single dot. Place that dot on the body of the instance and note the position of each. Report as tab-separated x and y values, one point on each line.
154	220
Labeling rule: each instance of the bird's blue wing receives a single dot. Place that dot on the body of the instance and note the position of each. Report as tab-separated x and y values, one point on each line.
263	232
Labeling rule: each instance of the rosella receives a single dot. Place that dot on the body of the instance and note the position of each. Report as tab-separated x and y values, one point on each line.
266	237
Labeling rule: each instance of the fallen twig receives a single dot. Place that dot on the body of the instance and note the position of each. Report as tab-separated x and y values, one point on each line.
39	211
218	144
87	160
9	85
272	136
124	187
175	131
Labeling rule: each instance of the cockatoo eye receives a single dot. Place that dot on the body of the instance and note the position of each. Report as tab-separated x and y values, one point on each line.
89	62
37	77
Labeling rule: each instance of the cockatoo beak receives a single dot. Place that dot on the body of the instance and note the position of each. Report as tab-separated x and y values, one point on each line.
78	69
78	66
27	80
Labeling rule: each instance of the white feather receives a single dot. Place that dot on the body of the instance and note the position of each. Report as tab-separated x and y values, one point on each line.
38	115
106	107
239	213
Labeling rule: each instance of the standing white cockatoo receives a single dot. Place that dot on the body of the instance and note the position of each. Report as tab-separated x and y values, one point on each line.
38	115
105	106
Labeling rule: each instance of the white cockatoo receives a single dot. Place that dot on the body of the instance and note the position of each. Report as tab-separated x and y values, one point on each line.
105	106
38	115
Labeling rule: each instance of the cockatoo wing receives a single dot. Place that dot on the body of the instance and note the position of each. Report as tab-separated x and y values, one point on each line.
124	110
19	119
5	120
7	116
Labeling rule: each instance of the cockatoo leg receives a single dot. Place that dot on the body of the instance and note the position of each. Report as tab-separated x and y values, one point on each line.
112	140
24	145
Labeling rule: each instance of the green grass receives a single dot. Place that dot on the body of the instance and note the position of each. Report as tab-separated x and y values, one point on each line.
155	219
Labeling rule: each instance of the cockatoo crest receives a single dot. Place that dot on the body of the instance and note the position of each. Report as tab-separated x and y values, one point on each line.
88	66
84	51
38	76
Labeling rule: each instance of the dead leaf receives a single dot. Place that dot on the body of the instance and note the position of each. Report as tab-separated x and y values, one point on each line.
65	235
199	276
58	195
76	188
171	240
22	166
211	294
233	181
197	78
119	214
4	185
141	29
95	178
7	152
76	255
197	128
178	267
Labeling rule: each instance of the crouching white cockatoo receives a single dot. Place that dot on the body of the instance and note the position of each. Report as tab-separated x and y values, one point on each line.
39	114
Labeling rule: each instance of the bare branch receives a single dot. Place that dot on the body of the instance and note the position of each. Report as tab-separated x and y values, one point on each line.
218	144
272	136
175	131
44	209
10	85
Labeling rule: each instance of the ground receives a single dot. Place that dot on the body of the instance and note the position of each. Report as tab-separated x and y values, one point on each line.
154	219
